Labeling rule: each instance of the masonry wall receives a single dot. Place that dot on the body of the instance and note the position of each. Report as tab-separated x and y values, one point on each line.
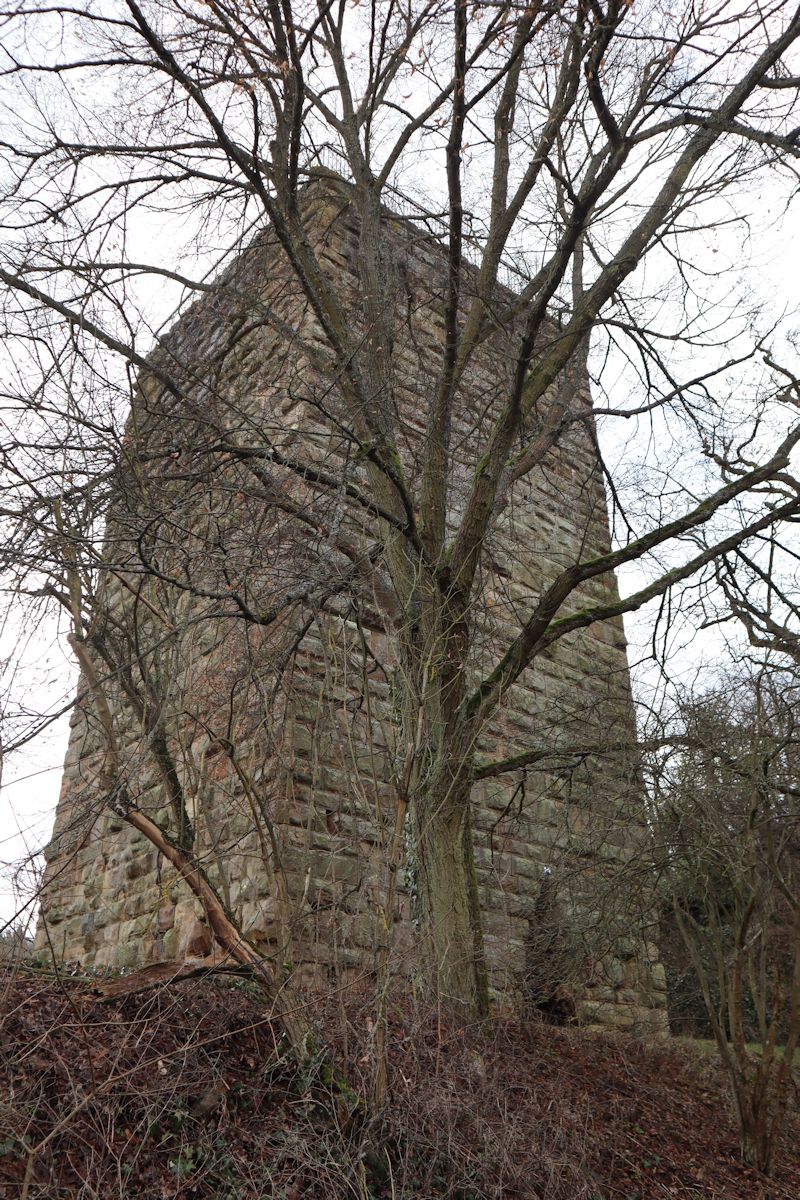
282	735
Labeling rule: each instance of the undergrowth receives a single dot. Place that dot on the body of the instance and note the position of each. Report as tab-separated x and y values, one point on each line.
186	1092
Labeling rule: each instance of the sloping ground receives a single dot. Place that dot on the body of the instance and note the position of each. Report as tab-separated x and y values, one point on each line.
184	1093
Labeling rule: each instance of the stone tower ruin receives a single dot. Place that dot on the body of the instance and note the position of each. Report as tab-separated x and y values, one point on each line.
281	732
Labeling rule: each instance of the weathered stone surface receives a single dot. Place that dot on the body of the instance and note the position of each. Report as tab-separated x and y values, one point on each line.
292	802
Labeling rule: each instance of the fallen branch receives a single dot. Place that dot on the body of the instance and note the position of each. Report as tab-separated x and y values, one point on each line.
165	972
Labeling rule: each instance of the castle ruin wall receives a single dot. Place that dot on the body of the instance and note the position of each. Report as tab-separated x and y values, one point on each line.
284	735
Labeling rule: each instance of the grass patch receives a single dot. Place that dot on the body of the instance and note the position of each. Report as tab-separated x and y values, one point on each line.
709	1046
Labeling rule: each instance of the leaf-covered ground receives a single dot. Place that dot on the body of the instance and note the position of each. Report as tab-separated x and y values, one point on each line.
185	1092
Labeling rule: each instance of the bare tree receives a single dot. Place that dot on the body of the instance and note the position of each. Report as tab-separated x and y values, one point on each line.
726	821
578	143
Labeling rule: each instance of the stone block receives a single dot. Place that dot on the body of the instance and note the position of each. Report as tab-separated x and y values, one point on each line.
658	977
165	918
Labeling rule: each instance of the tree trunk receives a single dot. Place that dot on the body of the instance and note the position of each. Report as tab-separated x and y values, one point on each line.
447	898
